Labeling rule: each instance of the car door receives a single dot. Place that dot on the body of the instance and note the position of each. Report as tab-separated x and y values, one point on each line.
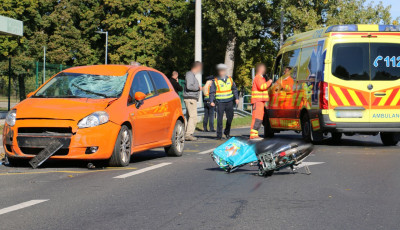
164	100
385	80
145	122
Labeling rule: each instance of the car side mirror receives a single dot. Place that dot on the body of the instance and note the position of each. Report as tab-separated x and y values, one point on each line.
30	94
139	97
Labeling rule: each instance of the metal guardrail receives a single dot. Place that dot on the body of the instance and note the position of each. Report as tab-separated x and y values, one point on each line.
245	104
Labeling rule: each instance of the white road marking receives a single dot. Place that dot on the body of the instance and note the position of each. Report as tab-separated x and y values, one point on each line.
206	152
303	164
136	172
20	206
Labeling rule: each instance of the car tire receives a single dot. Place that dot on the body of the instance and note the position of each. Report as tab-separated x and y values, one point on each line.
268	131
390	139
178	141
336	137
307	132
122	150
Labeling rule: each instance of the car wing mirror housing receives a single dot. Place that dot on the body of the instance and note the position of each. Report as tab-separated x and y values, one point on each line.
139	97
30	94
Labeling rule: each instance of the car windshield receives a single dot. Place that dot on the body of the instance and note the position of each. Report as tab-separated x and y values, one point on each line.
76	85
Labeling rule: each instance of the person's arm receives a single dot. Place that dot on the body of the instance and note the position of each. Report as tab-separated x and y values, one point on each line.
178	86
213	90
191	82
235	91
261	85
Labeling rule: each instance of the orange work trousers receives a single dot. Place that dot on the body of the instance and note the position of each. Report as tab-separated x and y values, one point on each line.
257	119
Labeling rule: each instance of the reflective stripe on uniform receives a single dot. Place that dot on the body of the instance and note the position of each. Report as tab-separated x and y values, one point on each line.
224	90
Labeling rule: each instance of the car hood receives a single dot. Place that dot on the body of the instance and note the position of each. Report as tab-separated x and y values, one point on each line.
60	108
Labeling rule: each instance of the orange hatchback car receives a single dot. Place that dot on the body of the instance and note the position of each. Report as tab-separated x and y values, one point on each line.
104	112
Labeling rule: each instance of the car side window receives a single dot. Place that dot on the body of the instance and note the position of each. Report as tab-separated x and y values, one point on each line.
160	83
142	83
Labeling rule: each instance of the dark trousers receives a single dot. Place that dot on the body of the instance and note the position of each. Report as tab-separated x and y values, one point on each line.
208	116
227	108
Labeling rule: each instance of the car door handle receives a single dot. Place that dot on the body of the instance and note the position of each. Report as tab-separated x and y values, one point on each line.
380	94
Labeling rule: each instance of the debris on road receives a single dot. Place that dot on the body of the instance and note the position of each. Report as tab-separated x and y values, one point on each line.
268	155
46	153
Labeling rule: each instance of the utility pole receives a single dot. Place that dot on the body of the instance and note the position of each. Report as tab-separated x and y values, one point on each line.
9	84
106	33
44	64
197	44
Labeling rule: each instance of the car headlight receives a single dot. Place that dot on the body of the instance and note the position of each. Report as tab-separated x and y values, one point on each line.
94	119
11	117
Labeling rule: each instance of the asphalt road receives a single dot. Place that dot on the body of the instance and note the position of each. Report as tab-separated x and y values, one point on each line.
352	186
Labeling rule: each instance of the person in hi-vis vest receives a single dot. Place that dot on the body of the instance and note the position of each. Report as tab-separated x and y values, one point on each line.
259	99
223	94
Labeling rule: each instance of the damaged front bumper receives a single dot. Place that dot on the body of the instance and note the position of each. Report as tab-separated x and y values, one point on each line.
28	137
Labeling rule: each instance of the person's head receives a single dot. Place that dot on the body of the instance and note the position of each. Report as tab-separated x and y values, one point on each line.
175	75
134	64
197	67
221	68
287	70
260	69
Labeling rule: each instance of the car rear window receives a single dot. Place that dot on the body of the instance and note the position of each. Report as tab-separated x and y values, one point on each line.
350	61
385	61
160	83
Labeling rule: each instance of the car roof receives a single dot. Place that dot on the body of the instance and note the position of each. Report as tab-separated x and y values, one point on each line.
111	70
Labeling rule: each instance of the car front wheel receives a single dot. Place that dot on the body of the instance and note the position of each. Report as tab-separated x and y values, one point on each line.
178	141
122	150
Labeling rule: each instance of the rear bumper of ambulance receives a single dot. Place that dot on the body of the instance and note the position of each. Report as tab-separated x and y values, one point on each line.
358	127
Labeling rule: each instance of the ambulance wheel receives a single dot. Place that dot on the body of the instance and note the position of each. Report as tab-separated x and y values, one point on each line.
309	135
336	137
390	139
268	131
178	141
121	155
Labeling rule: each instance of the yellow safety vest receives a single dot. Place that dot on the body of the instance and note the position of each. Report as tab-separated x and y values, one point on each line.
224	89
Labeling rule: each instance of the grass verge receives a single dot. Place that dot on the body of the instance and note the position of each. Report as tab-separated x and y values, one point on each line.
237	122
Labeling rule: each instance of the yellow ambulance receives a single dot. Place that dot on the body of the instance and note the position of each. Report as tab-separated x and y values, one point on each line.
342	79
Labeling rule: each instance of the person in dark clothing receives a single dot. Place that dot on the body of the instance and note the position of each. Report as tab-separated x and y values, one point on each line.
208	109
224	94
175	82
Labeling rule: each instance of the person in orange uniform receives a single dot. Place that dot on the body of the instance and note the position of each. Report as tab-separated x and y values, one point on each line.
259	98
285	85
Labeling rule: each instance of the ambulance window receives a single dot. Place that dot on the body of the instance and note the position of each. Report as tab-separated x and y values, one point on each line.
351	61
277	68
385	61
290	59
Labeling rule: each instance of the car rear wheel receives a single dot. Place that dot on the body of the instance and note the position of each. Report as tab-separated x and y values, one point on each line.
178	141
309	135
122	150
390	139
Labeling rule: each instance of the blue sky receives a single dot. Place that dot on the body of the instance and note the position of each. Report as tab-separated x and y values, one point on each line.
395	10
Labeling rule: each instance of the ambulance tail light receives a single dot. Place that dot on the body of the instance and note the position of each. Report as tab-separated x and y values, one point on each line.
323	95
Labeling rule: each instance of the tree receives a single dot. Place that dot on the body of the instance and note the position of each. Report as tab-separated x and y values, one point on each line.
240	23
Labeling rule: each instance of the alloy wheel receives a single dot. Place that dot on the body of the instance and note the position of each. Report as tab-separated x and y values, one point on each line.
125	147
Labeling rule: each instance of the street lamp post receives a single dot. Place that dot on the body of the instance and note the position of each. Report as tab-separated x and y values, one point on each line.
106	33
197	41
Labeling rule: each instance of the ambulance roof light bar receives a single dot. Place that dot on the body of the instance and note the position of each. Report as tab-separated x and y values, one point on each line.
354	28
